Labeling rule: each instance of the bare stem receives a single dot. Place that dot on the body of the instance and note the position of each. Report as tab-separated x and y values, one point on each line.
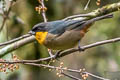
43	11
69	70
71	76
6	14
87	5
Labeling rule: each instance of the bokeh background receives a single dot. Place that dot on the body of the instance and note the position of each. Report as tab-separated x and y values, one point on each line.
102	60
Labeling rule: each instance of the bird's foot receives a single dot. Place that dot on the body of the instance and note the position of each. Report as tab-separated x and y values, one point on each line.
50	52
58	53
80	49
56	56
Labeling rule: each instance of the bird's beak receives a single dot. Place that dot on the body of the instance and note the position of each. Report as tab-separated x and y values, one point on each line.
31	32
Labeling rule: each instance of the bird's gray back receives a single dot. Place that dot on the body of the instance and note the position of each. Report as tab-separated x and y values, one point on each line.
58	27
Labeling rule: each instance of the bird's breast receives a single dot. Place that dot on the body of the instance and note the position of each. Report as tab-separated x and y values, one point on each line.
41	36
65	41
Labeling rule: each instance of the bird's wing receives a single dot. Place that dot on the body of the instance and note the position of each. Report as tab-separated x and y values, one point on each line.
59	27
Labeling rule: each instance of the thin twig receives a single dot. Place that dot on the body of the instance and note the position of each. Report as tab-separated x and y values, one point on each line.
98	77
43	10
70	76
28	61
70	70
87	5
14	40
32	62
6	14
16	45
45	19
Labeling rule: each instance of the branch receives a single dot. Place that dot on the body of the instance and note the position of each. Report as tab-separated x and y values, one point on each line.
44	17
14	40
61	69
58	55
86	6
6	14
43	10
16	45
69	70
106	9
69	51
70	76
101	11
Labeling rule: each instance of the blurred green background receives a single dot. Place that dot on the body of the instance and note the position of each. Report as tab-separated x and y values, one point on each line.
99	60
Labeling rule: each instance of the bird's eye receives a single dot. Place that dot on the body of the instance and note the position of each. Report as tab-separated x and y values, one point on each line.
39	27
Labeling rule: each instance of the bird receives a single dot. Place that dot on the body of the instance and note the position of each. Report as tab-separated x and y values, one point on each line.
65	33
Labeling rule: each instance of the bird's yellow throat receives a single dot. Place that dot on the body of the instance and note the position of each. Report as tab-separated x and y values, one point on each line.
40	36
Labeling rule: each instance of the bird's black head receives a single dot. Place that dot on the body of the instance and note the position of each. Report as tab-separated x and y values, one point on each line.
40	27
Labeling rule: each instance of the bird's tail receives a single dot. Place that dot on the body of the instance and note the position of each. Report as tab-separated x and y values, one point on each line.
88	22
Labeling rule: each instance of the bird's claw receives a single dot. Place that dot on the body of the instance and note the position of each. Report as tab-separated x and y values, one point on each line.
80	48
57	53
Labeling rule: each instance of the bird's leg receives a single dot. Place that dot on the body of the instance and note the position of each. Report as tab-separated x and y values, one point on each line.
57	53
50	52
79	47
